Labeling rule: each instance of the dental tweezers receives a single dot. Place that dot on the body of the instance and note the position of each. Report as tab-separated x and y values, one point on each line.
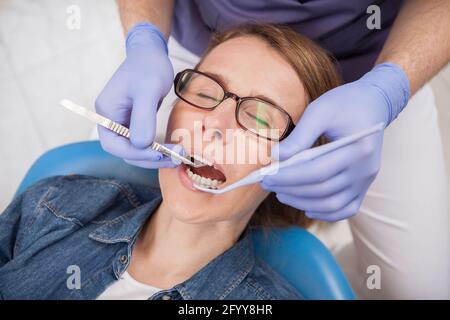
123	131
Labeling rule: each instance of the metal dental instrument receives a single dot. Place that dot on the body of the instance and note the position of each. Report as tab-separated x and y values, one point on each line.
305	155
123	131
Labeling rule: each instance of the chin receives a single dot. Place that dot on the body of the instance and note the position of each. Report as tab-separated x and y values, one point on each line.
188	209
186	213
189	205
193	206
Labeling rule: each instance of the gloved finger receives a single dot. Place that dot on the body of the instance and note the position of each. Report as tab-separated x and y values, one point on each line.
308	129
143	118
122	148
321	189
347	212
113	102
328	204
314	171
165	162
168	163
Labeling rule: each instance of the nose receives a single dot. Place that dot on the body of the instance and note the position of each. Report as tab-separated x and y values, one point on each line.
217	121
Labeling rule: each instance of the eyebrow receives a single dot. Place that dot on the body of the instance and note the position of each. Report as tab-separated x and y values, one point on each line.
216	77
267	99
224	81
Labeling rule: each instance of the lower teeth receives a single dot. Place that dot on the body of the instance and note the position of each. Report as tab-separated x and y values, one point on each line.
210	184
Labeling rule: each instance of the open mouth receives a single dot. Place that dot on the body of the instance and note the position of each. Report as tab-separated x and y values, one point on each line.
207	176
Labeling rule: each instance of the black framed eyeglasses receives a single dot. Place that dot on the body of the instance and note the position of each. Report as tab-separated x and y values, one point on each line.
256	115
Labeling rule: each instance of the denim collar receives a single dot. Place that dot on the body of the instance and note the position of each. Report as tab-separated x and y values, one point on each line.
125	227
214	281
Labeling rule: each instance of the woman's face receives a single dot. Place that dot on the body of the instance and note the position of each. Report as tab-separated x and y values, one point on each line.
248	67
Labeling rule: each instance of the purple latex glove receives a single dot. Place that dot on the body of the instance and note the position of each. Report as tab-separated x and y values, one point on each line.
332	187
133	95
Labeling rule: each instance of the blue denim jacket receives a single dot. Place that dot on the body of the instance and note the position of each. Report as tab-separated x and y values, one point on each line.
85	227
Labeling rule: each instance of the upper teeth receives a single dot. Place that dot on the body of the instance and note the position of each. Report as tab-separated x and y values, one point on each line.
206	182
202	160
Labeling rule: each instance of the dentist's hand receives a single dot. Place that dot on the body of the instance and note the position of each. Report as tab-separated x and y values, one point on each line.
133	95
332	187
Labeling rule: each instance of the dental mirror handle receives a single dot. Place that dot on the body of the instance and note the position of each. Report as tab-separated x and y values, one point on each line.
312	153
309	154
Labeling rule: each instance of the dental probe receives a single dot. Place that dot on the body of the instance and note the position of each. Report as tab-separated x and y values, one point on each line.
123	131
305	155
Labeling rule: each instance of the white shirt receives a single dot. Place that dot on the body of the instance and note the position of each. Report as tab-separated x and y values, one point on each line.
127	288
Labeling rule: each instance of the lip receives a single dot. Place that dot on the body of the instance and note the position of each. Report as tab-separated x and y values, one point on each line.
185	180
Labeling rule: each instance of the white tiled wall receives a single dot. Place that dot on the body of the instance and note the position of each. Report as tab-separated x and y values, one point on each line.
42	61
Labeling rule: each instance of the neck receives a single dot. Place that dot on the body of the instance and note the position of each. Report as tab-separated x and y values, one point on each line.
180	249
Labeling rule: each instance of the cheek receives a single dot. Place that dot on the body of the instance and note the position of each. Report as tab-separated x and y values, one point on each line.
258	151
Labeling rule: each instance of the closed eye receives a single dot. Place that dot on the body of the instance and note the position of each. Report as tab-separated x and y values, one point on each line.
258	120
202	95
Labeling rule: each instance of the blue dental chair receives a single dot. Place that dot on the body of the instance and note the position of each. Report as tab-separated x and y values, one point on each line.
293	252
